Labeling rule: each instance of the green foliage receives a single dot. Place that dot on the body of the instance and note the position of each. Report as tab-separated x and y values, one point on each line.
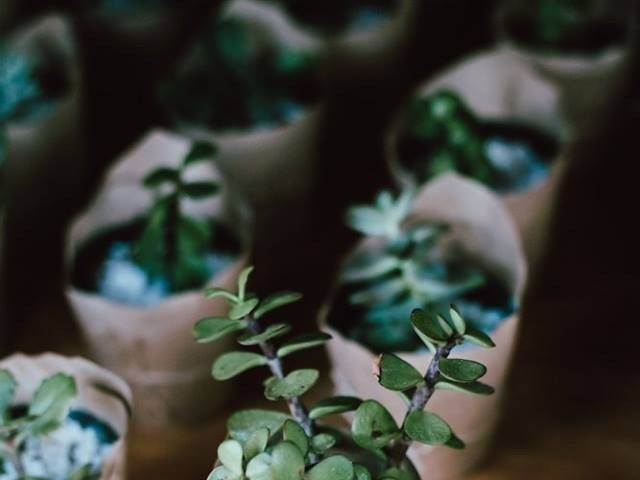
46	412
271	445
172	245
404	269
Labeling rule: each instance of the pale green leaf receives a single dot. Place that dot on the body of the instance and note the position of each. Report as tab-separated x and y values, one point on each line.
303	342
232	364
295	384
426	427
275	301
212	328
273	331
332	468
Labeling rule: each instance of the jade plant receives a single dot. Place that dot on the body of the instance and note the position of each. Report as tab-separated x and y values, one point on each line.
22	428
402	268
442	134
273	445
173	245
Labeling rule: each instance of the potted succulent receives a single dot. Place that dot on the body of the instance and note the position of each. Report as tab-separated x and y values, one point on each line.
577	46
453	244
163	226
299	445
61	419
248	70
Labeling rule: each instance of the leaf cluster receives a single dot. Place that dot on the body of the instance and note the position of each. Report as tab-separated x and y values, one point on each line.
46	412
405	269
172	244
271	445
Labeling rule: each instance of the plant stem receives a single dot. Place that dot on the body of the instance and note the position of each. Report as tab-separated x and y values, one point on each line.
421	397
296	407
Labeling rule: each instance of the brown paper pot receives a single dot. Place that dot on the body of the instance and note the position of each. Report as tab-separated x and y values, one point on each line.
499	85
483	232
112	408
153	348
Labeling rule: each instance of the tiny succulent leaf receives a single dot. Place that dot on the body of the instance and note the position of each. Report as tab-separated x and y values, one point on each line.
259	468
222	473
322	442
396	374
334	405
270	333
361	473
332	468
275	301
212	328
366	220
478	337
200	190
427	327
373	427
477	388
295	384
220	292
426	427
458	322
200	151
294	433
256	443
232	364
376	268
455	443
287	463
243	308
51	403
241	425
460	370
230	455
160	176
243	278
446	328
303	342
8	385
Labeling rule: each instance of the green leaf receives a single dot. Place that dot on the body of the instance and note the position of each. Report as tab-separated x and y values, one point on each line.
295	384
230	455
200	151
455	443
287	463
160	176
373	427
361	473
222	473
220	292
377	268
446	328
334	405
232	364
8	386
322	442
256	443
243	308
459	370
332	468
366	220
243	278
51	403
458	322
396	374
426	427
259	468
294	433
212	328
275	301
271	332
395	473
241	425
427	327
303	342
478	337
477	388
200	190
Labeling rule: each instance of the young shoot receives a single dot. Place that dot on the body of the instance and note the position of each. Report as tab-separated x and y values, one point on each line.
273	445
173	244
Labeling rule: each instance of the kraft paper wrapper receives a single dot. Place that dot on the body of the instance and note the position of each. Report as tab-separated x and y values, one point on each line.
483	232
153	348
111	408
499	85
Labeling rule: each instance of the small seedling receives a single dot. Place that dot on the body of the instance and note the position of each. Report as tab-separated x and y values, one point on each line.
271	445
45	414
172	244
404	269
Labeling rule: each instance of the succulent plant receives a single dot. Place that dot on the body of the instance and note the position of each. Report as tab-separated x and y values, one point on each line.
402	270
273	445
46	412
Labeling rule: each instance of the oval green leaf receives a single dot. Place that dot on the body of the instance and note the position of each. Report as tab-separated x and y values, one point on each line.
332	468
460	370
303	342
295	384
334	405
211	329
396	374
275	301
232	364
428	428
271	332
